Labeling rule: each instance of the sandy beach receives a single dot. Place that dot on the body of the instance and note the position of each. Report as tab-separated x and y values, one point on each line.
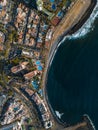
78	13
71	19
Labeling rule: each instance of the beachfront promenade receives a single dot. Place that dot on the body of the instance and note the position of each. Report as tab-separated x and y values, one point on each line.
72	18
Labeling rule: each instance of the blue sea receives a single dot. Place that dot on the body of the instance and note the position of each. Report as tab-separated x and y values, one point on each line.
72	84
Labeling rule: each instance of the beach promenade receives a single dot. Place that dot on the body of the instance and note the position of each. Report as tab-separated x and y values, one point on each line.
71	19
73	16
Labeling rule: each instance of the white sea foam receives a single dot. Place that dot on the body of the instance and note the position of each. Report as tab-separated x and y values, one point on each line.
59	115
88	26
84	30
91	122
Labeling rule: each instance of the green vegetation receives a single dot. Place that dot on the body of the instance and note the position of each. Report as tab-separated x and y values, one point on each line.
29	120
31	128
23	127
10	93
2	28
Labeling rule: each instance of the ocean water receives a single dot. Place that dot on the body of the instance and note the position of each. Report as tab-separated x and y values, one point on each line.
72	84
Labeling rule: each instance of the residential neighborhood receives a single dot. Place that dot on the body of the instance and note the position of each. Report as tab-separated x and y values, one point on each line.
29	34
